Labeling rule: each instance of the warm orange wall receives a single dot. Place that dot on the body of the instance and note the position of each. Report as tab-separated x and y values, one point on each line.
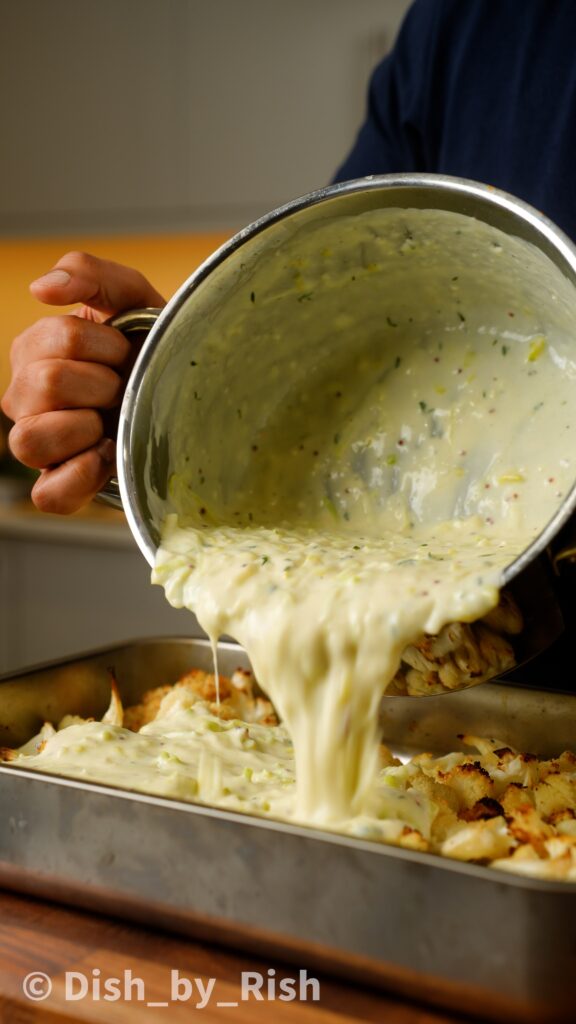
166	260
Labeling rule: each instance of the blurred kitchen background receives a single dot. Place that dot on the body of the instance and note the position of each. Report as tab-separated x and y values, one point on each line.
148	131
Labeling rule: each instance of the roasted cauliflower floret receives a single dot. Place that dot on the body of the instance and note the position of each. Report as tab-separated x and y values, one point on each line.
526	826
555	793
227	699
461	654
412	839
483	810
479	840
470	781
515	795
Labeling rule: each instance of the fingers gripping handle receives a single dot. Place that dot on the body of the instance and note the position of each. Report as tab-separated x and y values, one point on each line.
135	325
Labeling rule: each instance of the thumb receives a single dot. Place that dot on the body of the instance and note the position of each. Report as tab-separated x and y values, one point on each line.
101	285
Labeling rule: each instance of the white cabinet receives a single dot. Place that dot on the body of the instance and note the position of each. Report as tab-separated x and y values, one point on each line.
69	586
178	114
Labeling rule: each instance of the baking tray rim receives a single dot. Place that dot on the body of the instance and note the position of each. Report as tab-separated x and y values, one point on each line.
422	858
230	645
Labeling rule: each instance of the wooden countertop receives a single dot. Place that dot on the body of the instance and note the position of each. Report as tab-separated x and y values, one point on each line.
37	936
167	260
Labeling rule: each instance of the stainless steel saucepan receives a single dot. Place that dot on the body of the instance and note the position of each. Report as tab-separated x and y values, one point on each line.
229	323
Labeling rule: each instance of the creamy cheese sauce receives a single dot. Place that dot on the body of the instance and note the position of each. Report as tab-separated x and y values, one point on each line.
325	618
190	754
405	444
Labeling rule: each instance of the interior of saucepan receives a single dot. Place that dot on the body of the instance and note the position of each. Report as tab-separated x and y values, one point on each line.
388	356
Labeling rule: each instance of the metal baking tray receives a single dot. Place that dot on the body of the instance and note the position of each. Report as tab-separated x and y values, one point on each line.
458	935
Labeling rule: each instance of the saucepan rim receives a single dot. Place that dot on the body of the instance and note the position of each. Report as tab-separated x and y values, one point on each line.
554	243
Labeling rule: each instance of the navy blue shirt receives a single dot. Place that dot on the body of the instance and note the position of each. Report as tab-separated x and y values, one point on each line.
482	89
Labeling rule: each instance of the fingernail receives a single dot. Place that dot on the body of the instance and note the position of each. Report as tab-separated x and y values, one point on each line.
106	450
54	278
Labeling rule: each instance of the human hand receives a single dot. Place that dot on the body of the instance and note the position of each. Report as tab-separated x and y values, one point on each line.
65	371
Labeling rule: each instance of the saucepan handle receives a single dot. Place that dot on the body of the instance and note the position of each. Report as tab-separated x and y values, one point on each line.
135	325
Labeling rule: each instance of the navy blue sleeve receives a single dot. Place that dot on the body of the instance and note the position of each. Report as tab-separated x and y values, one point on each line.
479	89
391	138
